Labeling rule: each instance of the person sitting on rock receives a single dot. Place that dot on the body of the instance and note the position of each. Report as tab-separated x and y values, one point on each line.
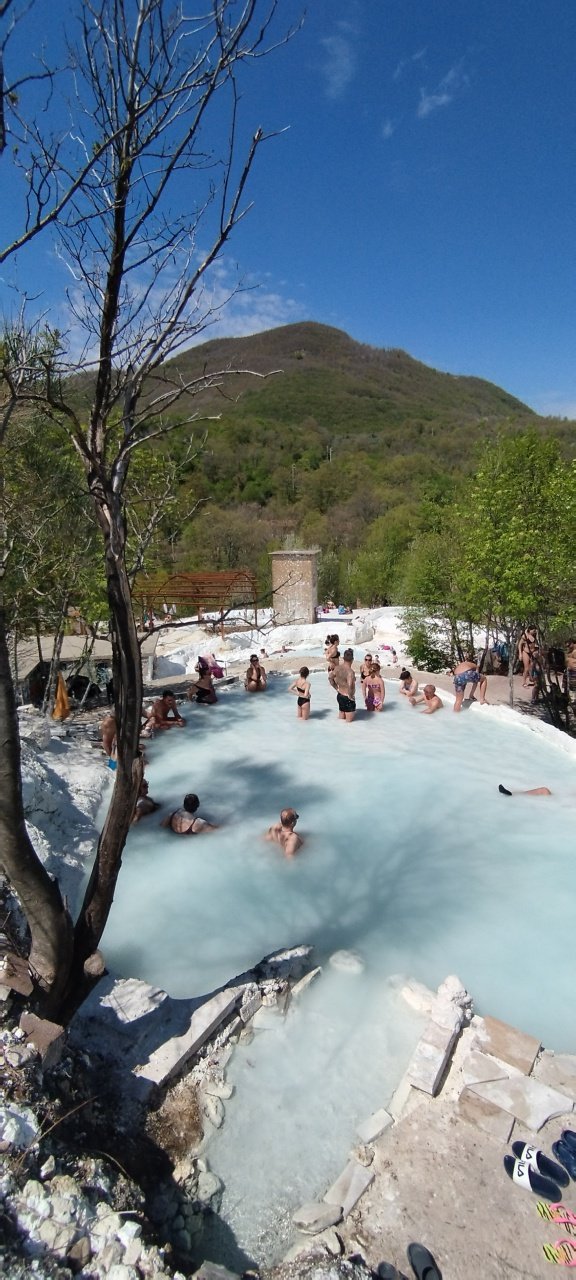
185	821
283	833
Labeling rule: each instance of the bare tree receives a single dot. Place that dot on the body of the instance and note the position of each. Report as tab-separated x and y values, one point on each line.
155	118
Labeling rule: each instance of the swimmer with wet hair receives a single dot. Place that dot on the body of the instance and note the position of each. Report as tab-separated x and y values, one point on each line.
302	688
283	833
185	822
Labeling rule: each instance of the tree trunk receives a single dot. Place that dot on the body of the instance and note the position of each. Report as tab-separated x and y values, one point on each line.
49	922
52	682
127	677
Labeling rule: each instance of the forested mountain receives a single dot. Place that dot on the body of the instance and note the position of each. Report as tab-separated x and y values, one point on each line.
345	446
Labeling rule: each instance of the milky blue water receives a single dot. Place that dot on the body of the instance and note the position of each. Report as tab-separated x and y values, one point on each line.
411	858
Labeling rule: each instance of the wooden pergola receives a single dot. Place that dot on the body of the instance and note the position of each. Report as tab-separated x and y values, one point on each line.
196	593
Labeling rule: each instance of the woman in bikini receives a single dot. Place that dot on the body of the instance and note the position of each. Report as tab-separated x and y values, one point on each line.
301	687
203	689
332	651
255	681
185	822
373	689
408	684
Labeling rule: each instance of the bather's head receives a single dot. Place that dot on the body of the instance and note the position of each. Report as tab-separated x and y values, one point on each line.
289	818
429	690
191	803
405	675
348	655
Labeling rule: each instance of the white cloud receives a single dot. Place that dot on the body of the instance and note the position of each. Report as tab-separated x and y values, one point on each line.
407	62
453	83
340	64
388	128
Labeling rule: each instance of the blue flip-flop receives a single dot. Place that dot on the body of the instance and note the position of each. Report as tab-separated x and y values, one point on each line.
422	1263
566	1155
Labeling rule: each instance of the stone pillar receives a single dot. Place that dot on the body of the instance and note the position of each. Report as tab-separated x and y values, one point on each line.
294	586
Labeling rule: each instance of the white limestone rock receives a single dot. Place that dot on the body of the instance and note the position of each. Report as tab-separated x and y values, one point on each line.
315	1217
347	962
18	1126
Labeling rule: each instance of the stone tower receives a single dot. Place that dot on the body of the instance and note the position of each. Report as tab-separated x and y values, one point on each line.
294	585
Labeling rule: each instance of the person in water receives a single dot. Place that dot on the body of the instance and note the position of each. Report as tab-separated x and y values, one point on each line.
533	791
430	698
185	821
283	833
331	652
202	690
145	805
467	673
408	684
256	679
165	714
301	687
343	680
365	667
373	689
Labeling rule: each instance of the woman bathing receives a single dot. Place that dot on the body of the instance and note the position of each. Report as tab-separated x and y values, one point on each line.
373	689
301	687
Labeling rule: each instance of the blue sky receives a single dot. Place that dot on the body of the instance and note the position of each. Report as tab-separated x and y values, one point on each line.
423	193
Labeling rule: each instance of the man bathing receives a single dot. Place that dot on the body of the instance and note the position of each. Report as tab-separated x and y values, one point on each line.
430	698
343	680
283	833
164	713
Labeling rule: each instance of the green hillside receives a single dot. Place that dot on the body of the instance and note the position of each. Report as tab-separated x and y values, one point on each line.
348	446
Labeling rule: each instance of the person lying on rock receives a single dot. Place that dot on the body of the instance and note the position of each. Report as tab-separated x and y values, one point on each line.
283	833
185	821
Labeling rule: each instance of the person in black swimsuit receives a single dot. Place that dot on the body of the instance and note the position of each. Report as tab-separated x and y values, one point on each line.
302	688
185	821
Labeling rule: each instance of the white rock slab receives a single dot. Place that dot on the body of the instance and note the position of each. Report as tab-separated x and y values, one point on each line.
352	1183
371	1128
431	1057
313	1218
529	1101
479	1068
171	1056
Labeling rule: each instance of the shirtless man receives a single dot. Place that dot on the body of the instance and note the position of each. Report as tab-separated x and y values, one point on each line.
256	679
144	804
184	821
343	680
283	833
430	697
164	714
464	673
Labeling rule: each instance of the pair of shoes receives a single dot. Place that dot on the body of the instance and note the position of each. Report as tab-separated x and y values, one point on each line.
565	1151
531	1169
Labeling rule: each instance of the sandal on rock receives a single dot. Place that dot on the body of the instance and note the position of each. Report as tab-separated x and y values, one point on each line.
521	1173
563	1253
422	1263
558	1213
537	1160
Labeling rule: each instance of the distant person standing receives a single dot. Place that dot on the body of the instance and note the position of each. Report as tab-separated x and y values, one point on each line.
373	689
301	687
343	680
467	673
